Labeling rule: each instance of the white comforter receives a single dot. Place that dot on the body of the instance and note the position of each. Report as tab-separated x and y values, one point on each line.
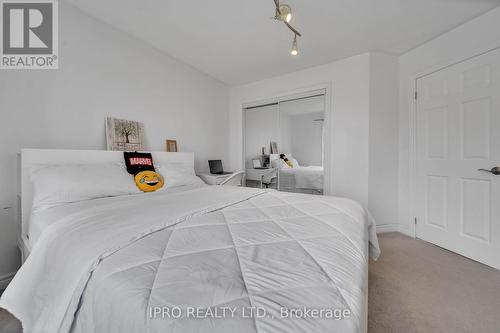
308	177
172	262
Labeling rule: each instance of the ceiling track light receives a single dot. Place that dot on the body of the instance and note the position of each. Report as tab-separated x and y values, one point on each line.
295	49
284	14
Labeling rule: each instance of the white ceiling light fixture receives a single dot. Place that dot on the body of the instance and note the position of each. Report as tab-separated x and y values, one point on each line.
295	49
284	14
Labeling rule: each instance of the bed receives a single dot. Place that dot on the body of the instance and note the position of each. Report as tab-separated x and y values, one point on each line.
299	179
192	258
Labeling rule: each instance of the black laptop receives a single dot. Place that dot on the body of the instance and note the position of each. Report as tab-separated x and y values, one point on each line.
216	167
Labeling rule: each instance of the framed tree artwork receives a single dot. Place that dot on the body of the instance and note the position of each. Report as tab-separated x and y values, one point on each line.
274	147
172	146
124	135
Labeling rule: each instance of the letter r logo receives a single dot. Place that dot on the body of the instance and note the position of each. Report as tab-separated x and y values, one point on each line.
27	28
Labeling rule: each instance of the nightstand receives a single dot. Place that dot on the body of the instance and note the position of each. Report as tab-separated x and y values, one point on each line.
213	179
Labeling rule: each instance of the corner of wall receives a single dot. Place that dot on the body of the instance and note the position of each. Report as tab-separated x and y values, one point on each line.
383	140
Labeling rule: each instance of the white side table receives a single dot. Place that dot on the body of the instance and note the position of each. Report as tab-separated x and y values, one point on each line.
213	179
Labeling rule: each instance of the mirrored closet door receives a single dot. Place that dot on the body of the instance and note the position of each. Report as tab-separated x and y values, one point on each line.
284	144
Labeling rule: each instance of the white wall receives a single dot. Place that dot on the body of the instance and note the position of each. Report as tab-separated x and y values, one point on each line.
261	127
306	138
476	36
285	143
350	86
301	135
103	72
383	146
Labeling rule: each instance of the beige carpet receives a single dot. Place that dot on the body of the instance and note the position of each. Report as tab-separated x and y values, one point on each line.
417	287
9	324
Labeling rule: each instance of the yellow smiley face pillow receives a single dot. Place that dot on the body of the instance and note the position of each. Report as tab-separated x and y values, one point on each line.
148	181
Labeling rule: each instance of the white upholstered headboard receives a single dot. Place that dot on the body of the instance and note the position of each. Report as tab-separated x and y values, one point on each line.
30	157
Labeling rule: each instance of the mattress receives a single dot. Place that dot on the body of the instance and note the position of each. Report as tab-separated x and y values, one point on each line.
213	259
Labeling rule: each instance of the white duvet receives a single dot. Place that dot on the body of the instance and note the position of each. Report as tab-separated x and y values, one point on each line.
308	177
213	259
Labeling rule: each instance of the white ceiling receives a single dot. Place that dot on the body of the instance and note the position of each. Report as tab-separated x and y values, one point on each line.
236	42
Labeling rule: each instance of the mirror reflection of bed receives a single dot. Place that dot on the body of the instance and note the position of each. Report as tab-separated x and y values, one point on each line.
296	125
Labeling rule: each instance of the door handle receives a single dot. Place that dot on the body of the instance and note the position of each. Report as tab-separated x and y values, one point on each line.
495	170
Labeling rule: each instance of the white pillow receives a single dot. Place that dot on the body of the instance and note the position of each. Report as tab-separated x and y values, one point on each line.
295	163
59	184
279	163
177	174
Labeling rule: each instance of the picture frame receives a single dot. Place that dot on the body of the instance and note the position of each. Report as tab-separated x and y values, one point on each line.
274	147
171	146
124	135
256	163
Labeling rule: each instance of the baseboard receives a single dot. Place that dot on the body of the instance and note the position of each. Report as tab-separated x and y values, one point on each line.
5	280
405	229
383	228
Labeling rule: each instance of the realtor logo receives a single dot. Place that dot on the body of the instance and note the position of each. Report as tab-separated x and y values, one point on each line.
29	34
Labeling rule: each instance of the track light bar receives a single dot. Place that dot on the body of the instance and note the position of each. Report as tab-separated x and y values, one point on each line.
284	14
295	49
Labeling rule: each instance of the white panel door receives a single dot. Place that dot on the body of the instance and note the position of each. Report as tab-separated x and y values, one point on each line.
458	132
